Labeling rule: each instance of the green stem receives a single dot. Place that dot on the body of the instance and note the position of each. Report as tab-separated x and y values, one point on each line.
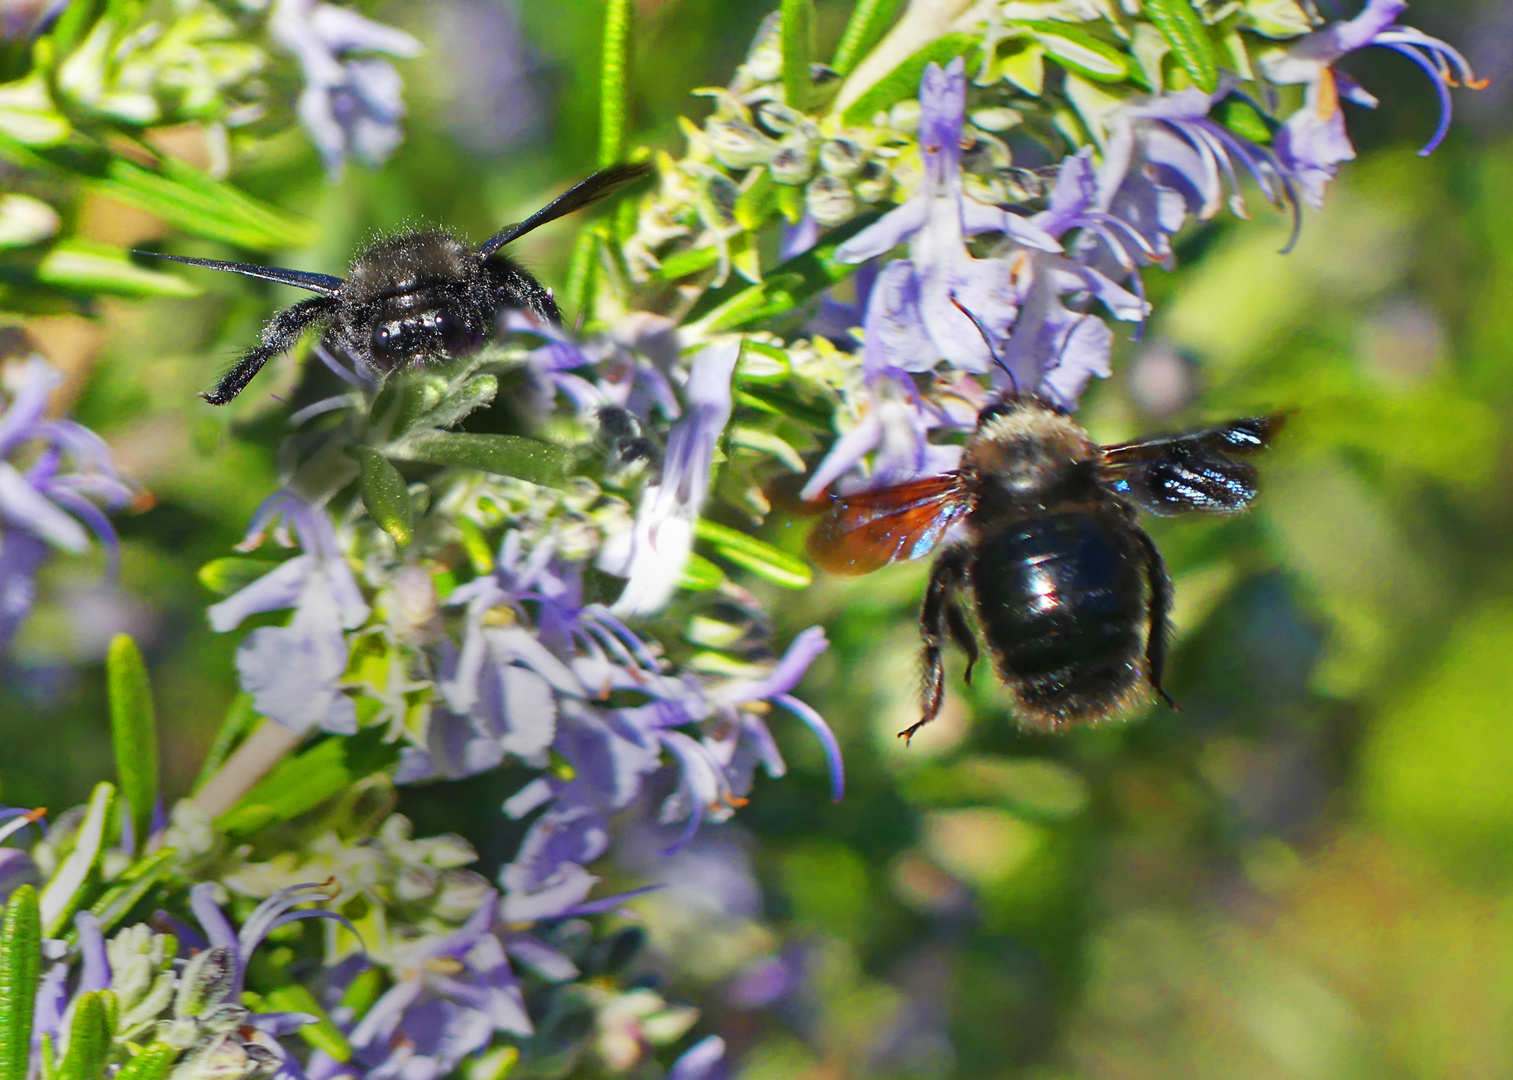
614	77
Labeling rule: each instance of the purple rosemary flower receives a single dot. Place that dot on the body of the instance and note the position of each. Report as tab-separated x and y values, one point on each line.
651	557
196	1004
17	867
627	366
451	995
895	425
1055	348
1312	142
350	104
613	752
294	672
1167	158
915	317
66	474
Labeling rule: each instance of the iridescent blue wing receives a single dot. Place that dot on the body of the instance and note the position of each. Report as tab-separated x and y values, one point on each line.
1195	472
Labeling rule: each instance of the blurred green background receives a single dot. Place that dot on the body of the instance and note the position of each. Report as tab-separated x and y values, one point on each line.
1307	872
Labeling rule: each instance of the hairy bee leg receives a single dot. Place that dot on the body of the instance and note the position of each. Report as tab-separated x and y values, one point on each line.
1160	616
961	633
934	623
279	336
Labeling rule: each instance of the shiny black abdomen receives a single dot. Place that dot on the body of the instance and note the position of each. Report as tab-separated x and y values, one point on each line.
1062	602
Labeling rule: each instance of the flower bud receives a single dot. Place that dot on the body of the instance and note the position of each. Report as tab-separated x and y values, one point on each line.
737	145
874	183
206	982
842	158
830	201
904	116
792	165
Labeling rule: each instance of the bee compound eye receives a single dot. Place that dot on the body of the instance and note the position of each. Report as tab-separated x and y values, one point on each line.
449	326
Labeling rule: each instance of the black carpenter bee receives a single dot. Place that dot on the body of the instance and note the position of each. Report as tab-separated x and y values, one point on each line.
1070	592
420	297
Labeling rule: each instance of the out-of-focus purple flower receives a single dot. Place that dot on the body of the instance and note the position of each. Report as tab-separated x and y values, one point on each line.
1312	142
351	103
915	317
704	1060
22	20
69	476
627	366
451	995
208	1014
16	866
294	672
1166	158
651	557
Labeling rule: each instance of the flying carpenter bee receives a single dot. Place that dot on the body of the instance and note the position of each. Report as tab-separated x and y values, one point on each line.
421	297
1070	593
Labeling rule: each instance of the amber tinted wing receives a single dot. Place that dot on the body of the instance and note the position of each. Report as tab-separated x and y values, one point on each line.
1196	472
862	532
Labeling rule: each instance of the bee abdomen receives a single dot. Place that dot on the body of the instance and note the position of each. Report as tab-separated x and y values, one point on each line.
1062	603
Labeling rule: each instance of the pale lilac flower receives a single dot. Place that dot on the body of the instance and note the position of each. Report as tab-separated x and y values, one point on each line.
16	866
1166	158
627	366
704	1060
895	428
1056	349
651	557
294	672
450	997
351	102
218	966
1313	142
915	317
67	475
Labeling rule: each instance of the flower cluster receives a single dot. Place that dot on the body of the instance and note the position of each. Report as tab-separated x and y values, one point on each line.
569	604
55	477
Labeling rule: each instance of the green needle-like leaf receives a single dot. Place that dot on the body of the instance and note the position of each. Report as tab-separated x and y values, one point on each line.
91	267
614	78
868	22
798	51
787	286
508	455
903	81
20	969
71	886
120	898
759	557
385	494
133	728
1183	29
88	1040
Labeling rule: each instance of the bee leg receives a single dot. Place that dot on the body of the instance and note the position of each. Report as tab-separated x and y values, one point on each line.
1160	616
935	621
279	336
961	633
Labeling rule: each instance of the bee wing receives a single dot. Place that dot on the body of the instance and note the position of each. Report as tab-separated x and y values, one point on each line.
1195	472
862	532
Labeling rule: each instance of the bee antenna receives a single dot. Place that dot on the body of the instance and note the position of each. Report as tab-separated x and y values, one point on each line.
324	284
987	340
598	186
